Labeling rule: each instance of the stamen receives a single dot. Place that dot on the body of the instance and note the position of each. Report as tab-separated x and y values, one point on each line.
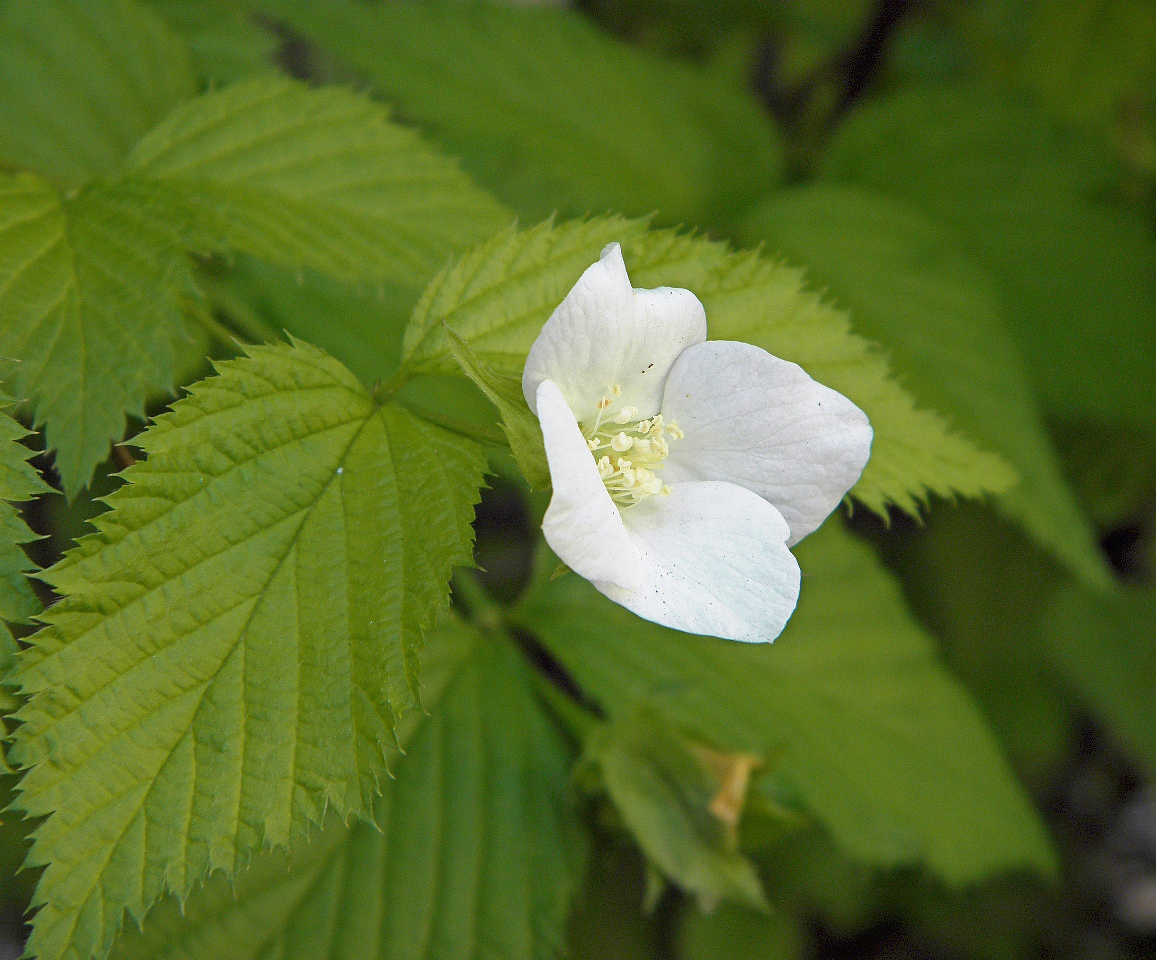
632	478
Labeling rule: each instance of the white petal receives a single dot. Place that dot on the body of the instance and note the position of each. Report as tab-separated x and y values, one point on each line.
714	561
605	333
763	423
582	524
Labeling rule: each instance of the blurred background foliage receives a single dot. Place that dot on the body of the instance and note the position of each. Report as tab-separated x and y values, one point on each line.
975	182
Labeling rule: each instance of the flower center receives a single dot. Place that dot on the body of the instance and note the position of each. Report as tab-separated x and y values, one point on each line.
628	450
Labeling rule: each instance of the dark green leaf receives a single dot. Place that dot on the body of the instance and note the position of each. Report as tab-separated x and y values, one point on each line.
81	81
733	932
906	286
876	741
552	114
1023	195
1103	649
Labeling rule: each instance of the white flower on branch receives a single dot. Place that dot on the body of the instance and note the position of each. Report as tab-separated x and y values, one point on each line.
683	468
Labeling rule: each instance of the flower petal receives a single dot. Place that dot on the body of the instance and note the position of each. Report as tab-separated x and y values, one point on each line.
714	561
605	333
582	524
763	423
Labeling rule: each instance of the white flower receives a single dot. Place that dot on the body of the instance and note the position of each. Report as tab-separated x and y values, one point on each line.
683	468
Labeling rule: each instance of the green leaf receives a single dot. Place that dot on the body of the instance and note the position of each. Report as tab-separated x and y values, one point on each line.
733	932
1102	647
314	177
234	644
980	583
1022	194
19	482
477	852
505	393
224	38
550	113
905	285
663	793
497	297
81	81
360	325
609	920
872	736
1081	58
91	290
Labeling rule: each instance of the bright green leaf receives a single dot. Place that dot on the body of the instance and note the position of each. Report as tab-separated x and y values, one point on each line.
81	81
906	286
870	734
505	393
91	291
19	481
314	177
235	642
476	856
550	113
497	297
1102	647
1076	276
663	793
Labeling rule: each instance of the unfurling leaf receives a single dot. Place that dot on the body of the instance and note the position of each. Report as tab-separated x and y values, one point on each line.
667	794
